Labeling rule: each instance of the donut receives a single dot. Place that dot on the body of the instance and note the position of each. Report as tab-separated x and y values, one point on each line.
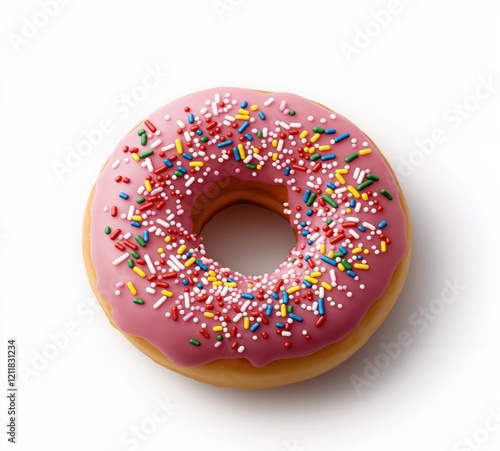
197	155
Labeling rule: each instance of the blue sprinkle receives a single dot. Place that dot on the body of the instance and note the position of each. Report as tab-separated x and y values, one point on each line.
168	162
382	224
248	136
184	282
361	228
201	265
247	296
243	126
330	185
190	118
341	137
254	327
200	286
181	169
328	260
145	236
309	212
295	317
188	254
187	156
123	195
307	194
287	170
262	115
305	232
303	223
135	224
360	257
308	257
225	143
351	273
309	242
343	250
274	295
199	132
330	131
286	297
244	104
231	280
307	284
236	154
280	325
328	157
269	310
321	306
352	203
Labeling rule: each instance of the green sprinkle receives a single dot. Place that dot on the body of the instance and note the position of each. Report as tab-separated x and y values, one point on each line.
365	184
130	263
315	157
140	200
194	342
290	309
310	201
219	337
330	201
318	130
293	260
144	139
204	139
107	230
329	221
251	166
346	264
135	254
139	239
386	194
146	154
178	173
141	132
351	157
292	113
338	254
260	134
138	301
372	177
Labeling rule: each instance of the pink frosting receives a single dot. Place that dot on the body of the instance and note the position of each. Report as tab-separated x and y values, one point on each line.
154	272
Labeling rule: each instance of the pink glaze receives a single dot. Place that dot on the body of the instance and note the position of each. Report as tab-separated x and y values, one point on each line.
219	313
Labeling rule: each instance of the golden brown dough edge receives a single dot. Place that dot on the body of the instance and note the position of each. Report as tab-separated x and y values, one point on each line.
240	373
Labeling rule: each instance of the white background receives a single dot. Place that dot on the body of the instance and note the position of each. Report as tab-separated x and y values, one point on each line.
69	73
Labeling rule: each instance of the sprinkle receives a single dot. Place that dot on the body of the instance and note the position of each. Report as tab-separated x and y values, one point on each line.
138	301
351	157
159	302
121	259
382	224
124	195
341	137
365	151
386	194
131	288
269	101
225	143
194	342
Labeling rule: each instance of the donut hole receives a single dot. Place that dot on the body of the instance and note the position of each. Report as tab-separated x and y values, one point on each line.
243	227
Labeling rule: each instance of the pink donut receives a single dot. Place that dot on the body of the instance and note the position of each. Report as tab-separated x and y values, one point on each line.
213	148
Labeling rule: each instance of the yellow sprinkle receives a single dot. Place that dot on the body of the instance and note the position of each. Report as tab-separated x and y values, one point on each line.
241	117
211	279
244	112
293	289
190	262
303	134
195	164
365	151
326	285
167	293
311	279
364	196
259	167
275	156
230	284
361	266
254	107
160	250
178	146
181	249
241	150
348	210
275	143
168	239
325	147
329	191
250	285
354	191
341	267
366	251
315	137
147	184
217	283
131	287
356	250
341	171
315	274
283	310
383	246
137	218
330	254
322	248
340	178
135	156
139	271
209	315
212	273
246	322
217	328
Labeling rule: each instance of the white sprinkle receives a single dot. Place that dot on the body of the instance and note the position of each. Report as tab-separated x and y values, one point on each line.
159	301
215	110
295	124
310	184
285	125
280	145
340	190
352	219
369	226
240	349
333	276
269	101
187	301
162	222
177	262
189	182
321	292
209	300
217	97
131	211
121	258
230	118
314	236
356	173
187	136
155	144
174	267
170	217
248	159
150	290
115	164
227	123
169	147
151	267
224	291
357	207
167	117
181	124
354	233
203	110
238	317
361	177
283	105
286	333
149	165
245	305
